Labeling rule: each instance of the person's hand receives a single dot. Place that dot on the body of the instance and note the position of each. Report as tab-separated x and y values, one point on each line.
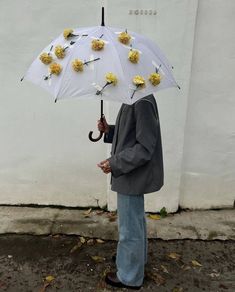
103	125
105	166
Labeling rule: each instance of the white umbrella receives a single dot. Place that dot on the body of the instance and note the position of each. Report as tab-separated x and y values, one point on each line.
103	63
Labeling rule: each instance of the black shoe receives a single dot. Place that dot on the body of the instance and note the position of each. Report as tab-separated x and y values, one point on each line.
112	279
114	258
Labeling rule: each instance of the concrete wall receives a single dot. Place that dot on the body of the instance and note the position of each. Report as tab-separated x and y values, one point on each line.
208	168
45	155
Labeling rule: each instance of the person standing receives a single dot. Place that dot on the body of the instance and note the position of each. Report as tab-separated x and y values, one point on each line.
136	167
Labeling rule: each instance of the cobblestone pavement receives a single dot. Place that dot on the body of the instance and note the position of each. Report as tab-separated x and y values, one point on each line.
73	263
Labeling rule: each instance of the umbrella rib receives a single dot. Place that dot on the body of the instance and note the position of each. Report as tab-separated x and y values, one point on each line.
110	33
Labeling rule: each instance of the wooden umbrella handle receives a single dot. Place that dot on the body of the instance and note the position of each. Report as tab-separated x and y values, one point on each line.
101	133
95	139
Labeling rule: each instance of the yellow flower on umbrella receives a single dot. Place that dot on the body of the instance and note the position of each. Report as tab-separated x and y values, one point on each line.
139	82
155	78
59	52
55	68
77	65
97	45
124	38
68	32
46	58
111	78
134	56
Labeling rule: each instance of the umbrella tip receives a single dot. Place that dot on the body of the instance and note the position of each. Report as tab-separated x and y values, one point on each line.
178	86
102	23
55	100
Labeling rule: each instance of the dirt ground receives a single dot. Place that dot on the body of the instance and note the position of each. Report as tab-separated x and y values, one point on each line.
73	263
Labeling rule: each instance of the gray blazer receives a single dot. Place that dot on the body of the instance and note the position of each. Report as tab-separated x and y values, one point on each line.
136	158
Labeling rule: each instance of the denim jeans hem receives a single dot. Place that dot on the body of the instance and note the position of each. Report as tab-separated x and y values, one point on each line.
128	284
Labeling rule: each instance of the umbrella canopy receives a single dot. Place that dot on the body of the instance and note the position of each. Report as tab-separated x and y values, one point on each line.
101	62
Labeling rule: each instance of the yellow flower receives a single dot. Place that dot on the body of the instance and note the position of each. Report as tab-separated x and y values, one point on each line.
139	81
111	78
97	45
134	56
77	65
155	78
59	52
46	58
124	37
55	68
67	33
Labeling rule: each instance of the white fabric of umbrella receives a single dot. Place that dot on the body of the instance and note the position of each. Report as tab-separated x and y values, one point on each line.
112	58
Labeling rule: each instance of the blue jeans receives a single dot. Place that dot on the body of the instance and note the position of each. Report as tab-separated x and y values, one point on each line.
133	242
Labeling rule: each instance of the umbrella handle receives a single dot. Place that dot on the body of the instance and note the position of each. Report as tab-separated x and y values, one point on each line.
95	139
101	119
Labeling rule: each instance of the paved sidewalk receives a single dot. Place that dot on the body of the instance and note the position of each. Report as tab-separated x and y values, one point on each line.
206	225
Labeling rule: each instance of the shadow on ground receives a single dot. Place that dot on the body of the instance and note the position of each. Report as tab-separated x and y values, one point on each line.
73	263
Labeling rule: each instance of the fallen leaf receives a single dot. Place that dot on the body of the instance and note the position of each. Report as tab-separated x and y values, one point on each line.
76	246
102	284
87	216
154	216
164	269
177	289
45	286
87	212
111	214
98	259
99	212
99	240
104	273
157	278
174	255
214	275
56	236
49	278
90	241
82	239
196	263
185	267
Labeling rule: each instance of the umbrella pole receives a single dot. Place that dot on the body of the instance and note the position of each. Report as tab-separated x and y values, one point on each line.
102	23
101	103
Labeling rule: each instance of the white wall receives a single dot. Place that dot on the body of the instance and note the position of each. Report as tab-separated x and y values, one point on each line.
208	171
45	155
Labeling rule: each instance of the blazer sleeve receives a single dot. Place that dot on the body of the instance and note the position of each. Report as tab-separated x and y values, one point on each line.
147	124
108	137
